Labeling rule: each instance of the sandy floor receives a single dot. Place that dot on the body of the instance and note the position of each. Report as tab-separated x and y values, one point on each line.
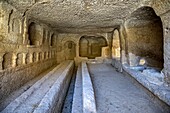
117	94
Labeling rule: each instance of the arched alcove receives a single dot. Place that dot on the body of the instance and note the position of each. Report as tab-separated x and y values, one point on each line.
69	50
145	38
91	46
7	60
52	40
35	36
16	26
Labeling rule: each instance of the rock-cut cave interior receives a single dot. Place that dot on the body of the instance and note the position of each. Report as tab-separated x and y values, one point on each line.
84	56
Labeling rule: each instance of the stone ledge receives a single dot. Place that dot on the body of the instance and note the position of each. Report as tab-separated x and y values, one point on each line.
10	77
47	103
77	97
153	83
89	103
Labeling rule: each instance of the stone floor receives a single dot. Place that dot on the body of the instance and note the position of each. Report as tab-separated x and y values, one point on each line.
116	93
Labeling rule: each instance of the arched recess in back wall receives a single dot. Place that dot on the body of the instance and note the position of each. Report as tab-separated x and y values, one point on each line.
16	25
69	50
34	34
53	40
145	38
91	46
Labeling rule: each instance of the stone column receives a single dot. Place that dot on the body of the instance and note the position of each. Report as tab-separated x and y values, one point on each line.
30	58
123	50
109	41
24	58
45	37
25	32
14	58
49	43
37	57
89	48
77	50
166	30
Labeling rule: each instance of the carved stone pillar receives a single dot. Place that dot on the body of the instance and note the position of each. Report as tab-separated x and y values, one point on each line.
14	58
37	57
77	50
30	58
24	58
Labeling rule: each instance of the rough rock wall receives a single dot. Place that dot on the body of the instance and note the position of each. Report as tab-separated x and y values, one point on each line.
25	49
146	41
148	34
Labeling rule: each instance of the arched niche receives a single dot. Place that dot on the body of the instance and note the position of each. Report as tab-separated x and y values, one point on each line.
16	25
34	34
145	38
91	46
69	50
7	60
53	40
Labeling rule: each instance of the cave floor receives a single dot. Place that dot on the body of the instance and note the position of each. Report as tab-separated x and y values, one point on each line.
117	93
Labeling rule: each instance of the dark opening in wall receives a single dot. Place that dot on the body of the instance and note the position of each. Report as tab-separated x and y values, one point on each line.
145	38
52	40
91	46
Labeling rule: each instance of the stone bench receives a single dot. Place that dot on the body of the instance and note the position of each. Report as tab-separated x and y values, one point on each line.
151	83
47	94
77	104
83	99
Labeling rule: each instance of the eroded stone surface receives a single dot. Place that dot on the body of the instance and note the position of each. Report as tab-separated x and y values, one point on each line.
83	15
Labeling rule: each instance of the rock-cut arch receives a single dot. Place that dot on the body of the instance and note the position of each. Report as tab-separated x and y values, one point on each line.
91	46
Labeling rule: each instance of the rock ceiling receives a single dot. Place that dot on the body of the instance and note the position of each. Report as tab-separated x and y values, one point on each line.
78	15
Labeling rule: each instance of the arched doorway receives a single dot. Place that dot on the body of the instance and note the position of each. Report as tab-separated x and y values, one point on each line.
91	46
70	50
145	38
